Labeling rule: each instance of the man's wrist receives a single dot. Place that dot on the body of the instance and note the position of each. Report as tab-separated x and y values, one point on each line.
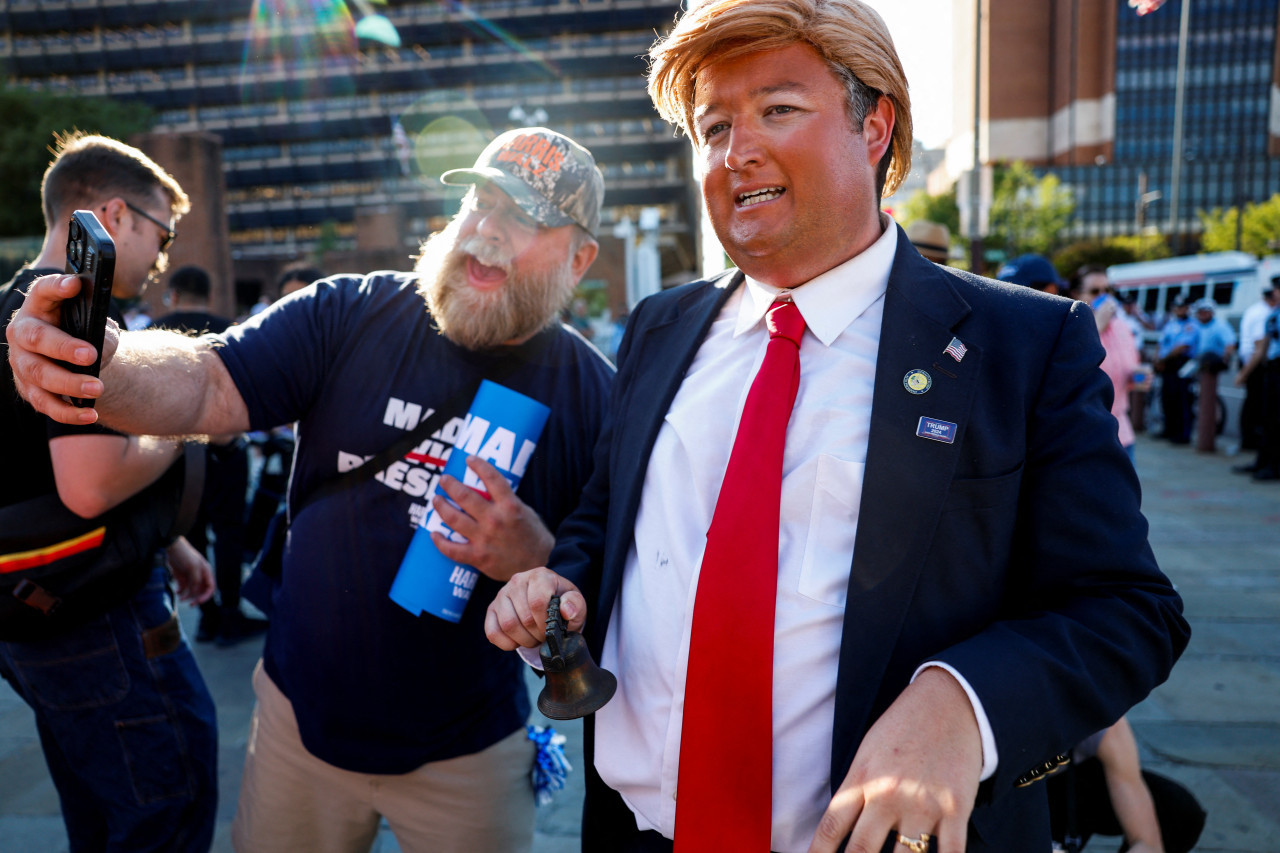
990	758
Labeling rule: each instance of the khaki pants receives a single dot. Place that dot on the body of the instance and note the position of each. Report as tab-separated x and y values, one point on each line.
292	801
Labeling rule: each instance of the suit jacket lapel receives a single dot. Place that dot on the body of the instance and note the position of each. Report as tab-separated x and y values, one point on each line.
661	354
904	487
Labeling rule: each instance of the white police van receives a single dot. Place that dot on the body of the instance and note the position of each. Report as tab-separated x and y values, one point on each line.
1233	280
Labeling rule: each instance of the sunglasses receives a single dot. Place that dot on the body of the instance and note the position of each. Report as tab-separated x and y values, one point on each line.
169	233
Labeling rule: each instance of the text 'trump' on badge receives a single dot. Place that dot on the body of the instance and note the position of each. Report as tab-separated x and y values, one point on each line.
932	428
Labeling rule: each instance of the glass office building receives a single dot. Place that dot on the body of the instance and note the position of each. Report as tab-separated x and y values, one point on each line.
1086	89
1229	89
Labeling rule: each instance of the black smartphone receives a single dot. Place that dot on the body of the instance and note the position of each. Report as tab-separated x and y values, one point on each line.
91	254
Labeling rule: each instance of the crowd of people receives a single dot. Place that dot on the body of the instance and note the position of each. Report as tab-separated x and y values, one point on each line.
1188	351
723	518
126	722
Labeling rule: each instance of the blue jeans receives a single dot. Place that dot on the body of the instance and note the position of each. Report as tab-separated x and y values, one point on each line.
131	741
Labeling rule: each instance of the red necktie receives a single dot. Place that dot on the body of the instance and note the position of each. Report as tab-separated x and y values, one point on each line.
724	792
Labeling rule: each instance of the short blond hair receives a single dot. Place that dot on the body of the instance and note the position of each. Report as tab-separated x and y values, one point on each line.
87	168
848	34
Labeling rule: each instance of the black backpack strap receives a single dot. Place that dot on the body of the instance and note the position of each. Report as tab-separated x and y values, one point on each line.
397	450
195	461
410	439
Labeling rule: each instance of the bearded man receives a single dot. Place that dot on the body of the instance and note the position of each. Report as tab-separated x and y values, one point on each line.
352	723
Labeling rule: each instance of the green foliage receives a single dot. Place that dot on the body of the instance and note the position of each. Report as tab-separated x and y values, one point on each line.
1113	250
595	293
326	241
935	208
1259	232
1143	247
1027	214
26	135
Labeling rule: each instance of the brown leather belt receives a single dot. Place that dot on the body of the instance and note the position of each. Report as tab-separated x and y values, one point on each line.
162	639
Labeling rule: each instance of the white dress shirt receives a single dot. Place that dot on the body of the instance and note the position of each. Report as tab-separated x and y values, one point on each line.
638	732
1252	327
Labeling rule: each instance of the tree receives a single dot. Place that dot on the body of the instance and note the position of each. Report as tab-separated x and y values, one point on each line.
326	241
1259	231
31	118
1112	250
1027	214
1143	247
935	208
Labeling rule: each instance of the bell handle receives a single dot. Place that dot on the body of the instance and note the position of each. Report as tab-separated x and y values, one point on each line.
555	631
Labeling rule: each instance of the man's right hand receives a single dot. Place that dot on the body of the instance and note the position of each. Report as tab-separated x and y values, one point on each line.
36	343
518	614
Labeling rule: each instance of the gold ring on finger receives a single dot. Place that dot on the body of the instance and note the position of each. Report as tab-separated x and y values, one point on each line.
915	845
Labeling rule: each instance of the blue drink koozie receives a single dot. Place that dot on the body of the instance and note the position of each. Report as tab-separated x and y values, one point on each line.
502	427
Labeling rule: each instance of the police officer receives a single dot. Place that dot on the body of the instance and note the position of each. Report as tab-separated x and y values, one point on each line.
1266	357
1179	340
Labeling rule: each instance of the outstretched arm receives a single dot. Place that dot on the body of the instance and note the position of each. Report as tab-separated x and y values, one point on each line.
152	382
1130	797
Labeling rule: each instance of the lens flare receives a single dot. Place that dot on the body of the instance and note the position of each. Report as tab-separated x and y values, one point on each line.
378	28
375	27
287	40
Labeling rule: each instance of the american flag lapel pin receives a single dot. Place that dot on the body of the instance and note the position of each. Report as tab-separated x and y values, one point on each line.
956	349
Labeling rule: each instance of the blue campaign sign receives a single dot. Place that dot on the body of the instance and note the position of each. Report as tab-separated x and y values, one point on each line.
502	427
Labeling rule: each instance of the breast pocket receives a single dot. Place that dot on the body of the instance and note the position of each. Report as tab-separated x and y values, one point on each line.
828	550
983	492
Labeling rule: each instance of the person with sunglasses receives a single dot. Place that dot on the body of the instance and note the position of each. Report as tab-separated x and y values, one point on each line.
126	721
1123	362
167	230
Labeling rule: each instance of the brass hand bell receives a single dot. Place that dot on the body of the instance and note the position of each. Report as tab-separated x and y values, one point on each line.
575	685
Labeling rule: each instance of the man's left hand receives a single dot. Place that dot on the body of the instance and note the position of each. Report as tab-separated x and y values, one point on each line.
504	534
915	772
191	572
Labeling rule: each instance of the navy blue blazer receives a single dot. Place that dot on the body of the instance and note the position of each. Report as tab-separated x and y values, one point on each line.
1016	553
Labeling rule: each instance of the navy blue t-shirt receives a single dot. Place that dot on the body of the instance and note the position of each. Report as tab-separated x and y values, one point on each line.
358	362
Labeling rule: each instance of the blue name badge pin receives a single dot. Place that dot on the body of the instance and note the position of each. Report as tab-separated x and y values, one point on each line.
936	430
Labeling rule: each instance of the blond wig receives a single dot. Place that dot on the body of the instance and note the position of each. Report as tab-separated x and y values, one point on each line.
848	34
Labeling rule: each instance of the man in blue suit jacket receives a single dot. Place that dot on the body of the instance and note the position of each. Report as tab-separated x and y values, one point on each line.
964	586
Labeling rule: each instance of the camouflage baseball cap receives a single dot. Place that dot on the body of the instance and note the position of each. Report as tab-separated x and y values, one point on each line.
552	178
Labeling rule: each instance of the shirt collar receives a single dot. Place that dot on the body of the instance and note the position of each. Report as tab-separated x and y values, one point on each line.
834	299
